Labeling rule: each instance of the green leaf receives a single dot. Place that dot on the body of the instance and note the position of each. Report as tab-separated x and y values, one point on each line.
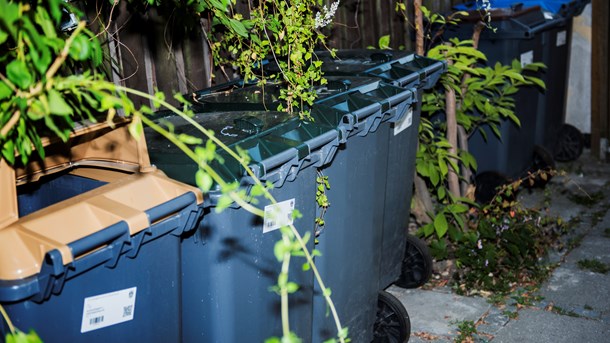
8	151
19	74
384	42
190	140
57	104
136	129
428	229
80	49
5	91
238	27
292	287
440	225
203	180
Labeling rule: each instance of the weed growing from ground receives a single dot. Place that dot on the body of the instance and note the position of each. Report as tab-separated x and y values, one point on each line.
607	233
594	266
587	199
466	331
564	312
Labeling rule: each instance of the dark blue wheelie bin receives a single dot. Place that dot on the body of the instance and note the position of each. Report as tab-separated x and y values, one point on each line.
228	263
94	255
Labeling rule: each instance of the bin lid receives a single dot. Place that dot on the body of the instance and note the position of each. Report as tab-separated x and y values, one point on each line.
238	96
272	139
401	68
563	8
133	200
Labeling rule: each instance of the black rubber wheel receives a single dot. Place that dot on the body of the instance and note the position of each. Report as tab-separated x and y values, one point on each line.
487	184
543	161
392	324
416	266
570	143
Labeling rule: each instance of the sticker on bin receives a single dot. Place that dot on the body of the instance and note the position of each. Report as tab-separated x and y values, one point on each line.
404	123
278	215
561	38
108	309
527	58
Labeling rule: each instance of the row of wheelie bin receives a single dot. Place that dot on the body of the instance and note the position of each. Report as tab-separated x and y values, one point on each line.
527	31
209	280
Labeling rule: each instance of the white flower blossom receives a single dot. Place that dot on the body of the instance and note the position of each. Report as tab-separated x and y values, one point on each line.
325	16
479	244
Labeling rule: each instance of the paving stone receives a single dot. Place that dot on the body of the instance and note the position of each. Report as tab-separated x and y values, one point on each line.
547	327
437	313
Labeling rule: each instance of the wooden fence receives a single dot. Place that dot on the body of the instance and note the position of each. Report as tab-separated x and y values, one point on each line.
151	52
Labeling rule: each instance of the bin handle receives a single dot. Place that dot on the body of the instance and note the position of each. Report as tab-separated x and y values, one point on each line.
171	206
99	238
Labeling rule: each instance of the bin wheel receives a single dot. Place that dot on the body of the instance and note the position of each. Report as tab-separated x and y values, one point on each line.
392	324
543	160
569	144
487	184
416	266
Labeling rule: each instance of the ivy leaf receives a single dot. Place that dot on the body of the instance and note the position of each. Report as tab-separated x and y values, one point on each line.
19	74
57	104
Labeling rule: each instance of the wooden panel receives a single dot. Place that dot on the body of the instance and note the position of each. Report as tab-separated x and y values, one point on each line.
600	123
148	51
360	23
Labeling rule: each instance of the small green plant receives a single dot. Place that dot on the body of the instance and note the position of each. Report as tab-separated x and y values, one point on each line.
466	330
587	199
564	312
322	200
588	307
574	242
594	266
511	314
607	232
525	298
15	335
502	243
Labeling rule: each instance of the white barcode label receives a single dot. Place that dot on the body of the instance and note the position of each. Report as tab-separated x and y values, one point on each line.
562	37
108	309
278	215
527	58
404	123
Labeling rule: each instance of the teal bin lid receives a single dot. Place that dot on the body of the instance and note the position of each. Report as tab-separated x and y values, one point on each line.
278	144
400	68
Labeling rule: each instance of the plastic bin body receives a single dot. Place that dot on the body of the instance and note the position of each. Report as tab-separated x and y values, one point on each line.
557	59
519	36
358	242
228	263
409	71
229	268
351	240
554	34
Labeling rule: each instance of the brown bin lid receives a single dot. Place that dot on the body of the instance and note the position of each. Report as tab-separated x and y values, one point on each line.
110	150
24	243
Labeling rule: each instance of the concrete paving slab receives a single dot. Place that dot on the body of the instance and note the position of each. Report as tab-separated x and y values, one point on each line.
591	247
437	312
572	288
546	327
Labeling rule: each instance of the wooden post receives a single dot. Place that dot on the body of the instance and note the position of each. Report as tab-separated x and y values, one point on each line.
600	92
